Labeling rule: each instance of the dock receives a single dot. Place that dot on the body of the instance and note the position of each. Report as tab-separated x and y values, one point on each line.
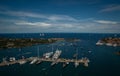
83	61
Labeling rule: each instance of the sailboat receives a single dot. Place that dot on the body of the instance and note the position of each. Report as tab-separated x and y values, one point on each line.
76	62
65	64
35	59
48	54
23	61
39	61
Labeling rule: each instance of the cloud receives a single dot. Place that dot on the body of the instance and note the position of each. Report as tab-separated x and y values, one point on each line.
105	22
91	27
74	2
86	25
22	14
111	8
61	17
53	17
40	24
53	23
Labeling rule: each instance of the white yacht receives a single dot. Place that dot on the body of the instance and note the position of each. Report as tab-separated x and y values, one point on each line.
76	64
22	62
56	54
12	59
34	61
48	55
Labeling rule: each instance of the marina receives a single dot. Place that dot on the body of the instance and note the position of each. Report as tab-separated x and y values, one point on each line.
52	57
47	57
36	60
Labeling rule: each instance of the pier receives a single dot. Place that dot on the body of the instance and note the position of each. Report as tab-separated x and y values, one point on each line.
84	61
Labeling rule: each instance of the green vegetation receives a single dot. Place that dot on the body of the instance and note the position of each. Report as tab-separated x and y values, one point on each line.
23	42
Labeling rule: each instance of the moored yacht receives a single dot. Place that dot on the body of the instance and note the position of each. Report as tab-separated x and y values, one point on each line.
22	62
48	55
76	64
56	54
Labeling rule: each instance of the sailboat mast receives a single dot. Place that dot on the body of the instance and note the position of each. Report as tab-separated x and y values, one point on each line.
52	47
38	52
76	53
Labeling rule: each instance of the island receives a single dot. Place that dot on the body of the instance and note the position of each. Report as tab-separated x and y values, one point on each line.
110	41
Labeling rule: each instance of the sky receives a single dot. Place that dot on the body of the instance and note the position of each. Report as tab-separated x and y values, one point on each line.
64	16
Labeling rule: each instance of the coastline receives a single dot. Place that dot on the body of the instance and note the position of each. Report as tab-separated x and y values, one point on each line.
24	42
110	41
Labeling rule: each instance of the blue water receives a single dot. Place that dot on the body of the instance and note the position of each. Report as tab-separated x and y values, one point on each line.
103	61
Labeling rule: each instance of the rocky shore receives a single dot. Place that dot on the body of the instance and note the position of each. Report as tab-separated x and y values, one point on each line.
109	41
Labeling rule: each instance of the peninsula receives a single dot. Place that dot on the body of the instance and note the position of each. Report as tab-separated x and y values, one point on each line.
23	42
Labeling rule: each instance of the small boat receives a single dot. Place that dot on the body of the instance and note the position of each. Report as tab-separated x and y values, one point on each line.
33	61
12	59
76	64
40	61
4	60
53	63
48	55
65	64
22	62
86	64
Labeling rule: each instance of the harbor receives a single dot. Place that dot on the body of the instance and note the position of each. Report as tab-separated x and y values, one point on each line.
80	58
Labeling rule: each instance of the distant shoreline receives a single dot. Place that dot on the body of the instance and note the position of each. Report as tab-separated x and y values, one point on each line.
59	33
23	42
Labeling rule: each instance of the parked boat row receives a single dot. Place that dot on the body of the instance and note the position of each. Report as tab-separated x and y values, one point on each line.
36	60
48	57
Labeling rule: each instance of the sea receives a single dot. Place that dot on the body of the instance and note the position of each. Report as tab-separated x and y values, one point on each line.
103	60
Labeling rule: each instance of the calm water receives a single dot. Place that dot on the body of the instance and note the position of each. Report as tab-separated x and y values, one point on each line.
103	61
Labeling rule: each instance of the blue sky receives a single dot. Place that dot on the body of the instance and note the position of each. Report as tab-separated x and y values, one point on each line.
80	16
